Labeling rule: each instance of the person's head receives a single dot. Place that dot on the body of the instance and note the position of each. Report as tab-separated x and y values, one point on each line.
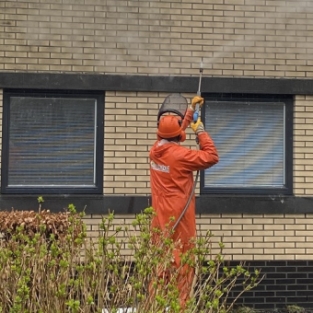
169	128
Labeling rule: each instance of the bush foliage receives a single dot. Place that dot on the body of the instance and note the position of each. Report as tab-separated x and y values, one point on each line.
49	264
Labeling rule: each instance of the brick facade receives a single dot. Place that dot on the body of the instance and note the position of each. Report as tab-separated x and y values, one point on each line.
234	38
303	143
252	38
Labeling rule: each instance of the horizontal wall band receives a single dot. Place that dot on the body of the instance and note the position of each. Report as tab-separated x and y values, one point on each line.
136	204
154	83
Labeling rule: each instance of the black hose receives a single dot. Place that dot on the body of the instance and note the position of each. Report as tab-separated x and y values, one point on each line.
188	202
197	175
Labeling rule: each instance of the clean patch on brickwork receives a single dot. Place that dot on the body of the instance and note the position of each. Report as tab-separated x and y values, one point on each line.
130	120
246	237
303	143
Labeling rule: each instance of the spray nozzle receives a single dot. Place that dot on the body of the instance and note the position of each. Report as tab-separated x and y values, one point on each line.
201	66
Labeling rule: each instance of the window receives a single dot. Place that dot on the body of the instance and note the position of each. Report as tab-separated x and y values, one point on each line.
52	142
253	136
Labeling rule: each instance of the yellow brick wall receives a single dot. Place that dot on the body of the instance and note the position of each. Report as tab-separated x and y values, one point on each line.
303	143
130	124
263	237
252	38
130	130
246	237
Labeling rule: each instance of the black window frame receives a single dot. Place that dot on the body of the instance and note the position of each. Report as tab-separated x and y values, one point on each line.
99	142
287	189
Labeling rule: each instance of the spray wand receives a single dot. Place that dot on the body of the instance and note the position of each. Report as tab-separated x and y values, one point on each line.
195	118
197	108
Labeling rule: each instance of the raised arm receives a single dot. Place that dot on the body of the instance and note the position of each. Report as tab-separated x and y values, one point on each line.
207	156
191	108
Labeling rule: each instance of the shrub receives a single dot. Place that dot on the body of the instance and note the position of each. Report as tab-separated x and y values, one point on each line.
48	264
294	309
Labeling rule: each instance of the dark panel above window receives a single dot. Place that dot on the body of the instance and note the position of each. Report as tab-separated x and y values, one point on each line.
254	138
53	142
170	84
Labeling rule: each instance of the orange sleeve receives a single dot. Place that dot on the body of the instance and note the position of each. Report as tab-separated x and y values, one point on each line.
207	156
187	119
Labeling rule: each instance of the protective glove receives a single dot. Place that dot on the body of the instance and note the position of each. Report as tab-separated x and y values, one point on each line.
197	127
195	101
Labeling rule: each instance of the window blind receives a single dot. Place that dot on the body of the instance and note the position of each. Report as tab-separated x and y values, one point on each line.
52	141
250	140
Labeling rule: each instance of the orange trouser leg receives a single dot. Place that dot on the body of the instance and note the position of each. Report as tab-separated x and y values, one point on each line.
185	278
183	282
184	273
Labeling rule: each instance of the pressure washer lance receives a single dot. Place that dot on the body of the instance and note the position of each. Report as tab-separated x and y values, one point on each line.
197	108
195	118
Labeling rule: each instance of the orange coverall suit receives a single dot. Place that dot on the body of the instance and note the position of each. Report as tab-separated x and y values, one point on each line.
171	178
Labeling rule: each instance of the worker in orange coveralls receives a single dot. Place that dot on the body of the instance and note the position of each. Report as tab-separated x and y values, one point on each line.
171	178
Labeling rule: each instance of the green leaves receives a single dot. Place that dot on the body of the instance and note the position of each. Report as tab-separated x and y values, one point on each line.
67	271
40	200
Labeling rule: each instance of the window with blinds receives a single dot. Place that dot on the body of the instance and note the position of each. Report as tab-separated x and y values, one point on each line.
254	141
52	142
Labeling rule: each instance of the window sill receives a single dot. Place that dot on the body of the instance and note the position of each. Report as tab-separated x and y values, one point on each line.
206	204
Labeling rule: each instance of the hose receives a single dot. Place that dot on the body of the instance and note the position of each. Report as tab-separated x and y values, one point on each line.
195	118
188	202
